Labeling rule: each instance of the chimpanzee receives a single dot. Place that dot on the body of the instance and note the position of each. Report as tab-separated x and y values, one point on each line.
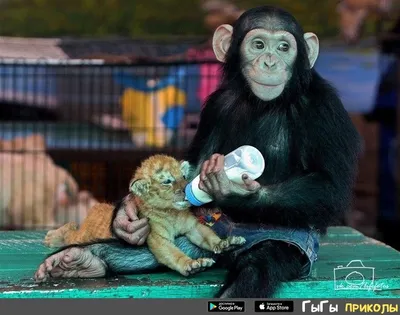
270	97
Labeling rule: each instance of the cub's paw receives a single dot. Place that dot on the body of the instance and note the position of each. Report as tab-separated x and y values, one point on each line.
228	243
54	238
193	266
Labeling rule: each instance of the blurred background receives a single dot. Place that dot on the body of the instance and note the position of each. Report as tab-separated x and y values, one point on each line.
89	88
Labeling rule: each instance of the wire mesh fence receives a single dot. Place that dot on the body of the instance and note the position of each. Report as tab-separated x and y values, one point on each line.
72	131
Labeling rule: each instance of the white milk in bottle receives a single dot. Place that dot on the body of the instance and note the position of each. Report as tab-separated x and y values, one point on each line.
244	160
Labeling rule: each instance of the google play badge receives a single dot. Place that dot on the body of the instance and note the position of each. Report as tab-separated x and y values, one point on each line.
211	306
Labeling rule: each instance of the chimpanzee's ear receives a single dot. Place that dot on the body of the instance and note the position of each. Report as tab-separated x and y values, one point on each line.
222	40
312	47
139	187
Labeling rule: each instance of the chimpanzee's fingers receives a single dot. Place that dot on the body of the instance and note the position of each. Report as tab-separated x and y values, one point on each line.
144	233
219	164
130	209
121	221
137	225
134	238
219	180
250	184
208	183
144	237
203	186
212	163
204	183
220	173
203	171
212	183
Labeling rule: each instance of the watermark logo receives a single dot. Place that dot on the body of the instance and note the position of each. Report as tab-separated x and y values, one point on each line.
321	307
356	276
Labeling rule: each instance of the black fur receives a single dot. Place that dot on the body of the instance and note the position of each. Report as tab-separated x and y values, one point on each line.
257	270
311	149
117	206
310	146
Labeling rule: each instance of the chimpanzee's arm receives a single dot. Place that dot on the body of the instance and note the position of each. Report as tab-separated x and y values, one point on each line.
320	194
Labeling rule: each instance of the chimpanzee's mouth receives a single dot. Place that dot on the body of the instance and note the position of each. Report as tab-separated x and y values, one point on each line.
268	85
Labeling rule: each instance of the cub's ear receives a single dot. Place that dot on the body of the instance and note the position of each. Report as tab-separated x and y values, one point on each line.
185	168
139	187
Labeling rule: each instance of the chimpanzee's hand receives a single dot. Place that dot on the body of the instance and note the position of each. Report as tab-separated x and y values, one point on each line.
215	182
127	225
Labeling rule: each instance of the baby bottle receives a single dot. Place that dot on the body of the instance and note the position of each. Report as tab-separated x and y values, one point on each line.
244	160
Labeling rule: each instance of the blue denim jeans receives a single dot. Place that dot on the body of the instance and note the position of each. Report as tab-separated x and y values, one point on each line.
306	240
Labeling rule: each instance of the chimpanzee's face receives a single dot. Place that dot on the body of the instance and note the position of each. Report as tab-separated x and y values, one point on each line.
267	61
268	53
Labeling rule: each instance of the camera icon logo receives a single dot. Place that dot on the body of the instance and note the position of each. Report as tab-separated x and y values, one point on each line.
353	276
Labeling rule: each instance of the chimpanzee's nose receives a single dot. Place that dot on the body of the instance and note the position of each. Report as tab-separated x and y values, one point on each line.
269	63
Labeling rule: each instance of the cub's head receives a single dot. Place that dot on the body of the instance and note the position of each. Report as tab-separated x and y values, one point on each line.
160	182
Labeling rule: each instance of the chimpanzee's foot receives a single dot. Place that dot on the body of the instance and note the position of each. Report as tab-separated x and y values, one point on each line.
74	262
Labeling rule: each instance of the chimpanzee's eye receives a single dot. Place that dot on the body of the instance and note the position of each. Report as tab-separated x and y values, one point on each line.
257	44
283	47
167	182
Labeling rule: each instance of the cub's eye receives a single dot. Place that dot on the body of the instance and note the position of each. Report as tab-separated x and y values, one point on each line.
283	47
167	182
257	44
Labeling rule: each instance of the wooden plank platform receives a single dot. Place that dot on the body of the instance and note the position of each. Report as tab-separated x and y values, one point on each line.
21	252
